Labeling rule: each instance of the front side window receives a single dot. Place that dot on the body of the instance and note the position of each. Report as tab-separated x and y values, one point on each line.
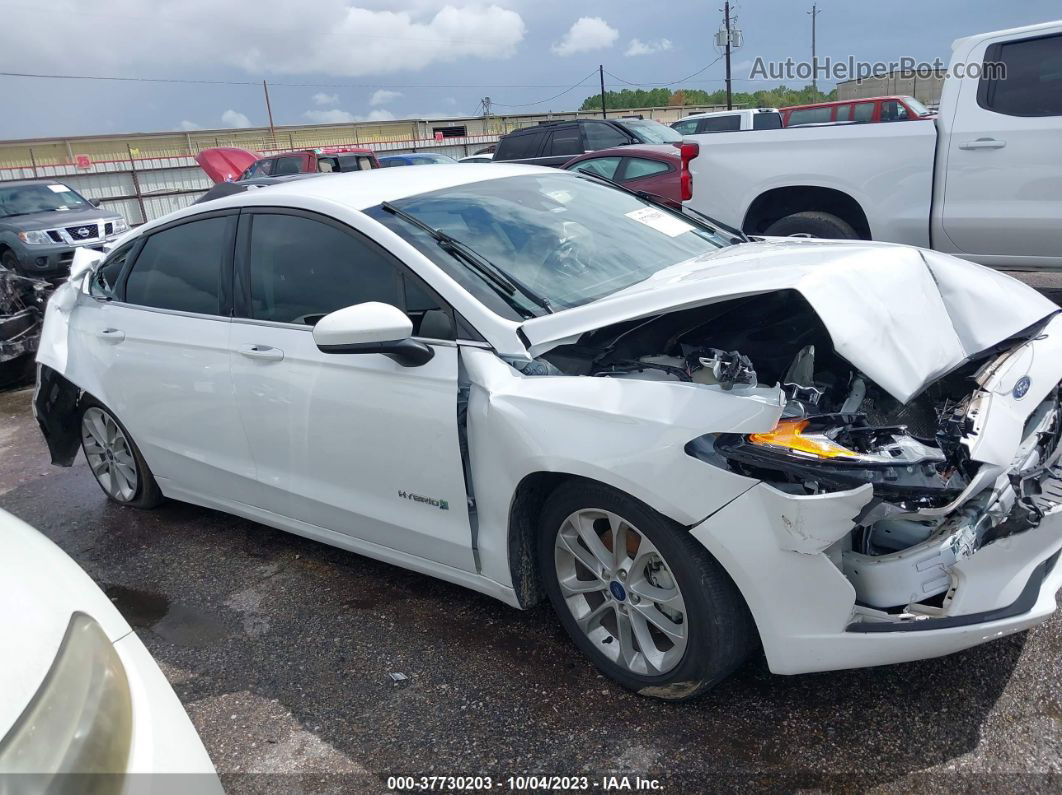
104	282
301	269
569	238
39	198
604	136
181	268
891	110
863	111
602	166
287	165
638	167
1033	79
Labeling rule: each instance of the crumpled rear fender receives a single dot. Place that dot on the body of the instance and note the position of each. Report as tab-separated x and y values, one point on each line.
627	433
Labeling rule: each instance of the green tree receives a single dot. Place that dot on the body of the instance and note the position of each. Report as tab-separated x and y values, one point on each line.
662	97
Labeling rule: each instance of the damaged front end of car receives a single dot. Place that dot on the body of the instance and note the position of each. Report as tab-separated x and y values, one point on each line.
22	302
968	462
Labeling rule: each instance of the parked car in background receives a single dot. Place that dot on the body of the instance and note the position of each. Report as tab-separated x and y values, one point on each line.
660	169
232	164
43	221
83	706
484	158
535	384
555	143
871	109
729	121
415	159
981	180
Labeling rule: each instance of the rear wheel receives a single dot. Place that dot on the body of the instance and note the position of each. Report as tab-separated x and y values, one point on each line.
812	224
115	461
639	595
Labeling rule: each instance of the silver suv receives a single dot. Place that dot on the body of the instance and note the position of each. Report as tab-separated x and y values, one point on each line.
42	222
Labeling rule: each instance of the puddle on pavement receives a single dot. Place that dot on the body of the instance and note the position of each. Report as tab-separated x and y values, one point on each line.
176	623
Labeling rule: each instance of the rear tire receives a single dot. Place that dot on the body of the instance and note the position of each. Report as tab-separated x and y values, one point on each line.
115	460
812	224
662	617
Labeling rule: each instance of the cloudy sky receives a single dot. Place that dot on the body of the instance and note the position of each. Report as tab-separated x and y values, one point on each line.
339	60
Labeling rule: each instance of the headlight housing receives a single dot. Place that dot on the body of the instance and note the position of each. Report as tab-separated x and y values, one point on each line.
35	237
120	225
80	720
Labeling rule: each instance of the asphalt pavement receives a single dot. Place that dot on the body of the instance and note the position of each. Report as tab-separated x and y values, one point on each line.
283	650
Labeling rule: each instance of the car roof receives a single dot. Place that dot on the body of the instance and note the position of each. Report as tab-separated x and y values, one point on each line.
844	101
668	151
23	183
359	190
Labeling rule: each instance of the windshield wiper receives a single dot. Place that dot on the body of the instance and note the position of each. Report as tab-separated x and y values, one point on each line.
702	220
501	280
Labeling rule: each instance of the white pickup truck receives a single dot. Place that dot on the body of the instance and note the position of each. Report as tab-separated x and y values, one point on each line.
982	181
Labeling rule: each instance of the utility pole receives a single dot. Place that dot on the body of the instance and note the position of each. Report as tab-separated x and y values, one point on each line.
486	114
814	63
269	112
601	74
726	22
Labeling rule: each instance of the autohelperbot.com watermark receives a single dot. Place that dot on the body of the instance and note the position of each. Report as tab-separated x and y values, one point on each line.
842	69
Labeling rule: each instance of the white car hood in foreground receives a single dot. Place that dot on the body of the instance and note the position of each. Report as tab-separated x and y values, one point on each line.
901	315
40	588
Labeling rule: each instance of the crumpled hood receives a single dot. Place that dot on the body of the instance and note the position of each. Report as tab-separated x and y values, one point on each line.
225	163
40	589
901	315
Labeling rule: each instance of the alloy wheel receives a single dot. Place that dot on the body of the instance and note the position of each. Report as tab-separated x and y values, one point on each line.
621	592
109	454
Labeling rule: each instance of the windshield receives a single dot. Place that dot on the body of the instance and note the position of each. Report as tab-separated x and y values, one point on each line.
47	198
569	238
918	108
652	132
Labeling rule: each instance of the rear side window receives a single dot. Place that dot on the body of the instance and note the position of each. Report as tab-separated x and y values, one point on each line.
602	166
517	147
686	127
810	116
767	121
181	268
603	136
863	111
302	269
638	167
566	141
720	124
1033	84
843	112
355	163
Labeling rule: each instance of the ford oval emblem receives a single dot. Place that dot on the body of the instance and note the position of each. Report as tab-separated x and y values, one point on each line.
1022	387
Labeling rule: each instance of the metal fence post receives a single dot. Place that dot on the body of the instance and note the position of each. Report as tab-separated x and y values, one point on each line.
136	185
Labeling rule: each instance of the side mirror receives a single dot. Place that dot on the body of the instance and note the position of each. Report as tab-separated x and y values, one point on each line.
371	327
95	202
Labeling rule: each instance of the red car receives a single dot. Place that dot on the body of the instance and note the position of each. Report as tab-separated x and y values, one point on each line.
662	169
230	163
871	109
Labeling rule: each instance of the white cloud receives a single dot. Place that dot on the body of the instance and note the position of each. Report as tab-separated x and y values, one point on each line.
190	126
586	34
233	118
260	37
383	96
639	47
336	116
321	98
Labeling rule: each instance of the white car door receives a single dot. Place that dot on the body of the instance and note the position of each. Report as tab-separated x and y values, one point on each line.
155	338
354	443
1002	188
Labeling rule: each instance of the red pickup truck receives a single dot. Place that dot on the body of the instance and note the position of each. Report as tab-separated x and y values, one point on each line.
231	164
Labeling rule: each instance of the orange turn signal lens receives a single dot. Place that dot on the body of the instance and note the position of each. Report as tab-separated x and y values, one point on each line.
789	434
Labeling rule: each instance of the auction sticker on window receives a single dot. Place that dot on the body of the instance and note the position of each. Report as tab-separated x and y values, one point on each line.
663	222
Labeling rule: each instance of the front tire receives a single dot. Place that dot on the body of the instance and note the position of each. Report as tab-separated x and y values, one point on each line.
812	224
8	261
639	595
115	460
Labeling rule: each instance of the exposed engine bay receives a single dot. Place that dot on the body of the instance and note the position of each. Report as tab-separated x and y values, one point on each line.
933	504
22	302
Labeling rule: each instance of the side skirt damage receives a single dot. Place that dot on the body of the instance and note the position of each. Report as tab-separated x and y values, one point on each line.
57	406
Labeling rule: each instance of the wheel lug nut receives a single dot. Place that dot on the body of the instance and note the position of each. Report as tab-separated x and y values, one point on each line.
623	574
635	599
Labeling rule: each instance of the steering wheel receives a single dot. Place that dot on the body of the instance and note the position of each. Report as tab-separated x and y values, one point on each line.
565	260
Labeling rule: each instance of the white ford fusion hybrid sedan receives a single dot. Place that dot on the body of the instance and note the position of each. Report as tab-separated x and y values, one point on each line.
539	385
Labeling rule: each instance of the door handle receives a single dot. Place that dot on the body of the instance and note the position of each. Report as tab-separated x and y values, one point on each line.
983	143
111	335
266	352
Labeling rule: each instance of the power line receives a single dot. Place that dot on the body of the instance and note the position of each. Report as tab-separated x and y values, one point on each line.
672	82
547	99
